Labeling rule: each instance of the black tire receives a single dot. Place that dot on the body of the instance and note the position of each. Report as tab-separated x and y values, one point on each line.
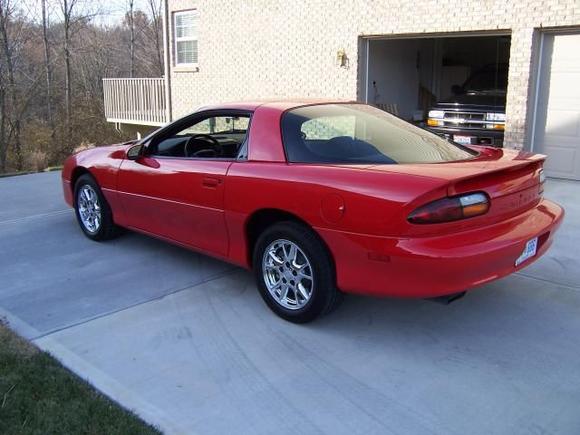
106	229
324	296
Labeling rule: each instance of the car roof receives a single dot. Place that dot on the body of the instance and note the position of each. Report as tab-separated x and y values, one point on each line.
280	104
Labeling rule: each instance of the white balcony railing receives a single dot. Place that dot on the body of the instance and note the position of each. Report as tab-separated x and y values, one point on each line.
135	101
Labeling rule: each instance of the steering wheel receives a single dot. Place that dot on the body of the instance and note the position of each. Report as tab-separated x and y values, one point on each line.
213	147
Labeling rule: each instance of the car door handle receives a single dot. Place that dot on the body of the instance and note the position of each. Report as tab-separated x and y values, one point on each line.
211	182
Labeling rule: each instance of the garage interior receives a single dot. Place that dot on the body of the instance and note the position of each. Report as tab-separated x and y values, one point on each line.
407	76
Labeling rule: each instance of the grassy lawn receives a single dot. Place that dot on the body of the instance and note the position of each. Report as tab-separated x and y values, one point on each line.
40	396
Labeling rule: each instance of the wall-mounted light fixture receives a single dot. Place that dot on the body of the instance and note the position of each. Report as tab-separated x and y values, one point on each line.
341	58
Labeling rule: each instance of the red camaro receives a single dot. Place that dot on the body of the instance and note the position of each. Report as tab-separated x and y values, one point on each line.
320	199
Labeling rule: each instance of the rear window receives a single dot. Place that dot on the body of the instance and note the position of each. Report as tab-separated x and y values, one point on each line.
358	133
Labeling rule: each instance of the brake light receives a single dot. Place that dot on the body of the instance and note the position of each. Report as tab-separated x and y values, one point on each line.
451	209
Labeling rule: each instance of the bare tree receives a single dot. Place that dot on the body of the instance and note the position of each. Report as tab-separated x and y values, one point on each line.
155	33
131	23
52	62
144	39
7	47
67	8
3	141
47	65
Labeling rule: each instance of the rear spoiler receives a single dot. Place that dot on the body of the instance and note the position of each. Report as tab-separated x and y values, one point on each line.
506	176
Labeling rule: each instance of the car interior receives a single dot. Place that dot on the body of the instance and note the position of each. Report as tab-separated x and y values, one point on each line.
342	149
215	137
333	140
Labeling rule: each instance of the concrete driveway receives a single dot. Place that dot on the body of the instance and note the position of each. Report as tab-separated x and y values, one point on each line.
186	342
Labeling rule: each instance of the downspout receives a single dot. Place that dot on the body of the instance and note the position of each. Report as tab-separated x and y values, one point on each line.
166	61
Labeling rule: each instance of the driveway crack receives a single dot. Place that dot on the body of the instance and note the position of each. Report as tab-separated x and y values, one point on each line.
549	281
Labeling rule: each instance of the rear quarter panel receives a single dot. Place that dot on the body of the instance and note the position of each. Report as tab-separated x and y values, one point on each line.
372	203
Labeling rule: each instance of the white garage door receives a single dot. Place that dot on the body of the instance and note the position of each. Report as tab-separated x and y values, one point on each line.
558	111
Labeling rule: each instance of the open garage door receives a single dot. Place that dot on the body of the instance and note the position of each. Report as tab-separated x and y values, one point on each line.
557	127
454	84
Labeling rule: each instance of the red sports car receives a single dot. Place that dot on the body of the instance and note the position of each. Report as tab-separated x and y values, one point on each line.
320	199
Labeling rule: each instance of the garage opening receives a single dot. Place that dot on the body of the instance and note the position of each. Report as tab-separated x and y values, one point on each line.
455	86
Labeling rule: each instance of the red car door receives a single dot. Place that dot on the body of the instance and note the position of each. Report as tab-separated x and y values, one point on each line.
177	198
173	186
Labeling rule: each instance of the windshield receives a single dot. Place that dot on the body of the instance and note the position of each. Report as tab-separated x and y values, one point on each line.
357	133
491	79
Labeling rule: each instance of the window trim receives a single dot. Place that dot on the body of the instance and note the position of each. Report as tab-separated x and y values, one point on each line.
151	141
176	40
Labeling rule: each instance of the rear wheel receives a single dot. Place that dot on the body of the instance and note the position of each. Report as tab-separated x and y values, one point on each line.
294	273
92	210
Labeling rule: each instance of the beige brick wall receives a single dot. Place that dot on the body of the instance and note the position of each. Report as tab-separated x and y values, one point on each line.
255	49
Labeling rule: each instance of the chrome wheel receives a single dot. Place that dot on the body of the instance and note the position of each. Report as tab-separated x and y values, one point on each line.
89	208
288	274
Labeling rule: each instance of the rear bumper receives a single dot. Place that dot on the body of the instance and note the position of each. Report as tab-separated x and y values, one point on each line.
435	266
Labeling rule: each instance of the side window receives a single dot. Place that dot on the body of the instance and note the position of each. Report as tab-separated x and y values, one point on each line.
328	127
219	124
215	137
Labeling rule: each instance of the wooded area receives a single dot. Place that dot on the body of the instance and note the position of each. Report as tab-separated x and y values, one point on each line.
53	57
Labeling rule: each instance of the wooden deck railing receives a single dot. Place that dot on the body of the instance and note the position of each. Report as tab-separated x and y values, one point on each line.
135	101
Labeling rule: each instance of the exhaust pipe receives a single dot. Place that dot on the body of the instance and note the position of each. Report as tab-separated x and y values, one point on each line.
447	299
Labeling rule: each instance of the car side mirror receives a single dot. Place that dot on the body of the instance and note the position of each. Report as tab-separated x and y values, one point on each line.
134	152
457	89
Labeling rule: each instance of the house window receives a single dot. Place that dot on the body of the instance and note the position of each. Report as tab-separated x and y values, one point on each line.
185	24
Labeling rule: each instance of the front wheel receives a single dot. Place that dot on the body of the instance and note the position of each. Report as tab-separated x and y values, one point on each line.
92	210
294	273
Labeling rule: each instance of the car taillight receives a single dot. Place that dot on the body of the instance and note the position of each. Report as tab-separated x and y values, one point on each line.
542	181
451	209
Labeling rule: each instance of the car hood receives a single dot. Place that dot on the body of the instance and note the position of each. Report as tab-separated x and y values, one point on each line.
482	100
114	150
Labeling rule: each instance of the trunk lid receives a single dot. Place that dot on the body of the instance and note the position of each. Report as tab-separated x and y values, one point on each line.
511	179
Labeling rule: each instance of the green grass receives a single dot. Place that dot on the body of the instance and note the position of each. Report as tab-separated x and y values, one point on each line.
39	396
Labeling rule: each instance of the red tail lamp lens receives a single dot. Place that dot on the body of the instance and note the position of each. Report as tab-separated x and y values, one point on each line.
451	209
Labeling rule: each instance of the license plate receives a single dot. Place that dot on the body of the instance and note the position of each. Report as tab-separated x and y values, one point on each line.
463	140
529	251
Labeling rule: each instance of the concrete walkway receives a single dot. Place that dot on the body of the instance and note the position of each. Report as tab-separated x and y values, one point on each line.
186	342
